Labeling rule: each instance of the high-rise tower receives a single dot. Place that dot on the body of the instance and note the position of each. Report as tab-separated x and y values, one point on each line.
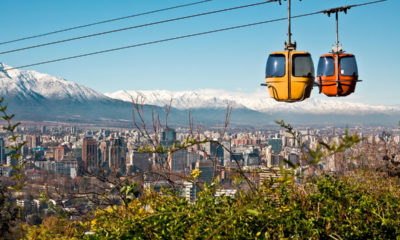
2	151
89	154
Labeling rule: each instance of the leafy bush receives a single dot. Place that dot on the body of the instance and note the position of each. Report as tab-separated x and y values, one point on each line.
362	206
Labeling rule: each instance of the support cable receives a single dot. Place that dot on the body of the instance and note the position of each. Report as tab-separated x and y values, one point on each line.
178	37
136	26
104	21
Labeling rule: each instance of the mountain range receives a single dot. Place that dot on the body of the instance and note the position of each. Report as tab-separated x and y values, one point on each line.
41	97
257	101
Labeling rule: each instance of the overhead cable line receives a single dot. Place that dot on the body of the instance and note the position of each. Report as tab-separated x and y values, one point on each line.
136	26
351	6
104	21
182	37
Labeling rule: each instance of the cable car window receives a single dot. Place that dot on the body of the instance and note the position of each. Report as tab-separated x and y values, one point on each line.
326	66
348	66
276	65
303	65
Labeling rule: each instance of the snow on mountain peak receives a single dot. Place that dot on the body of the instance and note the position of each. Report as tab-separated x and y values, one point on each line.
258	101
28	83
3	66
180	99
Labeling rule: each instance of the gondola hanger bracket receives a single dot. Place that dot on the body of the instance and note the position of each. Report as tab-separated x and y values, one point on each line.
280	1
337	10
290	46
337	49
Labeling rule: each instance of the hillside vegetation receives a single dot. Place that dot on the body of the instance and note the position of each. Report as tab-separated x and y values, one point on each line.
364	205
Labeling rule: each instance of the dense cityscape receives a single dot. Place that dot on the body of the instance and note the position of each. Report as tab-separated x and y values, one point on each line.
77	168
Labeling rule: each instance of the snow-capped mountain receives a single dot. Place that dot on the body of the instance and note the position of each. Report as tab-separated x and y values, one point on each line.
32	84
41	97
257	101
31	95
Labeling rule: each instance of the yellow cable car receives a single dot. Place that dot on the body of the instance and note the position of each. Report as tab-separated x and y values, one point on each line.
289	73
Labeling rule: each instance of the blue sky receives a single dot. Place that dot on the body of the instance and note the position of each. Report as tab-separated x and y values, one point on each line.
232	60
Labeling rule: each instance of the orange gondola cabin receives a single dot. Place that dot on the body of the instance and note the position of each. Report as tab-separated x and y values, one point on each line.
337	74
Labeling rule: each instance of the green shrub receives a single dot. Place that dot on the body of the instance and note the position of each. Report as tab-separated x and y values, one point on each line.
362	206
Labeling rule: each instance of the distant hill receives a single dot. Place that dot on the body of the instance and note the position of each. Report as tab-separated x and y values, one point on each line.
36	96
